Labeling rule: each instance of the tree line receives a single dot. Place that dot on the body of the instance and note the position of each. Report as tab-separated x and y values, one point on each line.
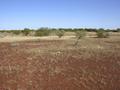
59	31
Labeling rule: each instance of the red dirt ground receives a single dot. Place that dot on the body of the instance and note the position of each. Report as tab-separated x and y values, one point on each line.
65	70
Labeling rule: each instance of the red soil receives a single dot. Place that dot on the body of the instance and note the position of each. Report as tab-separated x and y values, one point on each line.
68	70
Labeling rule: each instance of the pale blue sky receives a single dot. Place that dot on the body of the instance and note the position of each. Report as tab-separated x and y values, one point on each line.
18	14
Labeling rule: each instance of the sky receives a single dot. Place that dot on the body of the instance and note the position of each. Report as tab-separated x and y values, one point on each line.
19	14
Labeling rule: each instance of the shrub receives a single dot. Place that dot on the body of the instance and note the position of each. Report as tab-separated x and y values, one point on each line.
26	31
102	34
42	33
118	29
16	32
60	33
79	34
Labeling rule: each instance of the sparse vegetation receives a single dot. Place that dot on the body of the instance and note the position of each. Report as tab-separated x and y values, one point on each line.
95	62
36	63
16	32
102	33
118	30
79	34
42	33
26	31
60	33
59	44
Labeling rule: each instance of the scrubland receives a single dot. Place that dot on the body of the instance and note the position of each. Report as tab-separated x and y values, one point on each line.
53	63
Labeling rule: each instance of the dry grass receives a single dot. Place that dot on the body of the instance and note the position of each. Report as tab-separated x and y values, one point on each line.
52	64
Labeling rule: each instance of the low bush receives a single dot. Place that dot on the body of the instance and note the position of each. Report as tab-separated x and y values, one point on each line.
26	31
16	32
42	33
102	34
118	29
79	34
60	33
